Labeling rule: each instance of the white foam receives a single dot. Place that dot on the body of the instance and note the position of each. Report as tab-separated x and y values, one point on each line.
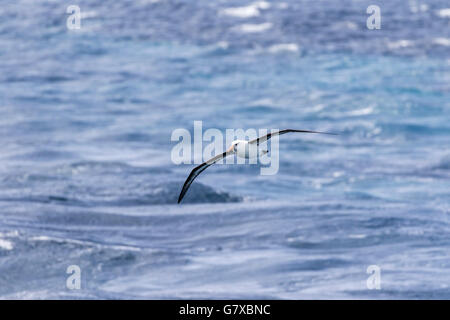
6	245
442	41
357	236
253	28
444	13
241	12
263	101
400	44
252	10
148	1
338	174
264	5
291	47
9	234
361	112
222	45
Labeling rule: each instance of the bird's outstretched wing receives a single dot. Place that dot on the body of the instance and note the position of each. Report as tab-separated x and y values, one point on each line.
272	134
199	169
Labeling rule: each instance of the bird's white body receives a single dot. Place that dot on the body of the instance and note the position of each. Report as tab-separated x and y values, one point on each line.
244	149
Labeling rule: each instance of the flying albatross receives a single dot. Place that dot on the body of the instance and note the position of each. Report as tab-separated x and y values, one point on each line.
240	148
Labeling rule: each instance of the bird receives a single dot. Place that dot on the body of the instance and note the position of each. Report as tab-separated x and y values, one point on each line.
241	149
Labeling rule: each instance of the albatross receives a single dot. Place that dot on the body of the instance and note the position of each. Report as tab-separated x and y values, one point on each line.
241	149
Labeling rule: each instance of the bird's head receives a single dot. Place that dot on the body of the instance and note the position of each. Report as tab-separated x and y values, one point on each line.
235	145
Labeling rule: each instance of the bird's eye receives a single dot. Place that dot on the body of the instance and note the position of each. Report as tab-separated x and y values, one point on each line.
235	147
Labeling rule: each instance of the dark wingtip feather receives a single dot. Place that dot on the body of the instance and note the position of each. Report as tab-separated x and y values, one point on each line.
180	197
311	131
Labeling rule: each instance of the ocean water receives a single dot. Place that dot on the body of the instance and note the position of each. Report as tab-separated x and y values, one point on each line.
86	176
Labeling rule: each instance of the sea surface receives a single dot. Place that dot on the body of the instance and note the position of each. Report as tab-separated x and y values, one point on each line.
87	179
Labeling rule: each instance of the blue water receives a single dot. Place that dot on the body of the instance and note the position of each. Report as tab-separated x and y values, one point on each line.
86	176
